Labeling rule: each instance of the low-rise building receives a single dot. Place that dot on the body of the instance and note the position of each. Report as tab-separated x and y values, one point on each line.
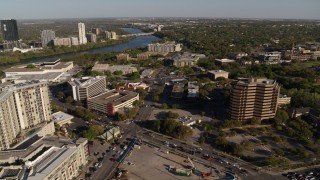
138	85
87	87
223	61
62	118
54	71
193	89
283	100
123	56
297	112
169	46
146	73
111	133
185	61
113	101
45	158
143	56
177	90
126	69
214	74
270	57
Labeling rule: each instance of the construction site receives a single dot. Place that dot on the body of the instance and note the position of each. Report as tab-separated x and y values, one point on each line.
151	162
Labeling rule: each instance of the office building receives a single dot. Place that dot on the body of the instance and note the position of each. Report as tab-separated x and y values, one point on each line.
22	106
87	87
47	37
214	74
123	56
254	98
91	37
45	158
9	30
113	101
82	33
165	47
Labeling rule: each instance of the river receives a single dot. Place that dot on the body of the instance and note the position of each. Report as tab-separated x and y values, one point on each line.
140	41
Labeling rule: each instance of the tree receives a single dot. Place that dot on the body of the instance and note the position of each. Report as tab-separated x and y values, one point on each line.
155	98
117	73
134	76
69	99
164	106
121	117
281	117
30	66
80	112
172	115
89	134
97	129
60	95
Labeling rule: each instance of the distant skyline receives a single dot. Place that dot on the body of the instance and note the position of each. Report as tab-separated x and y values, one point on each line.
262	9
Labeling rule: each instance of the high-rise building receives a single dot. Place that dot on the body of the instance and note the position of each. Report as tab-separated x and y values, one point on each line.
95	31
108	34
82	33
22	106
114	35
9	29
47	37
91	37
254	98
74	41
87	87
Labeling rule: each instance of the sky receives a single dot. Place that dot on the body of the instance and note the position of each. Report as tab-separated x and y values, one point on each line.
44	9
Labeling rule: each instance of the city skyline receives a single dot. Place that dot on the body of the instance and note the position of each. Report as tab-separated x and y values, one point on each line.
286	9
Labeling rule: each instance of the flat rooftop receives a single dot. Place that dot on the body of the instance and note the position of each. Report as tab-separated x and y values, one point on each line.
61	116
178	88
35	144
115	97
225	60
257	81
85	81
40	77
218	72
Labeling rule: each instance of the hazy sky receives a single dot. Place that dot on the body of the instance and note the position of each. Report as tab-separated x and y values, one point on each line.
39	9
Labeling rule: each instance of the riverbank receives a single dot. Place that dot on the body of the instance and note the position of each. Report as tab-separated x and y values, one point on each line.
12	58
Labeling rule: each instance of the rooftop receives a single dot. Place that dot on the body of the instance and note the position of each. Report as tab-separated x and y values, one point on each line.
85	81
115	97
225	60
257	81
61	116
217	72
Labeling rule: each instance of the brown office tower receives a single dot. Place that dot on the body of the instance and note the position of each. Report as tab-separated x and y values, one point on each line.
254	98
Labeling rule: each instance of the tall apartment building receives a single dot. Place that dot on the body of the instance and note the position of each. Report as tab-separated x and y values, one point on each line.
165	47
9	30
91	37
47	36
74	41
22	106
95	31
108	34
113	35
82	33
87	87
254	98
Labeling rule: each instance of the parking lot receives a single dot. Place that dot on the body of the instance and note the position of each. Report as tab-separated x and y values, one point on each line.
153	162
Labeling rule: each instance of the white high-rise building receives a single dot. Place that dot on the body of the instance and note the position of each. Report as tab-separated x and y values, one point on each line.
82	33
